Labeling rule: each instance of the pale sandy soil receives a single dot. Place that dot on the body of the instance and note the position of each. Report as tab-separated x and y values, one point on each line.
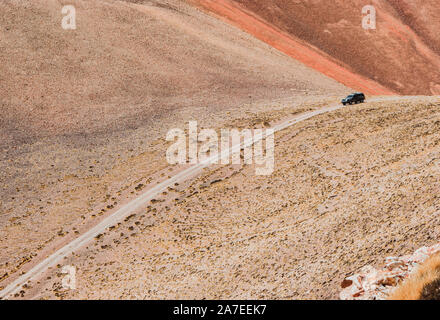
349	188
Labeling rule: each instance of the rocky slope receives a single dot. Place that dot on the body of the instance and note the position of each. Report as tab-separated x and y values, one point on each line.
129	63
349	188
402	54
78	108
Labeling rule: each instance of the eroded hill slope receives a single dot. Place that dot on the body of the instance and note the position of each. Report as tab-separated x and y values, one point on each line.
129	62
402	54
84	113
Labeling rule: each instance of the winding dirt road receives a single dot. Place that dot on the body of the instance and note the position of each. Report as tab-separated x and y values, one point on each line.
16	285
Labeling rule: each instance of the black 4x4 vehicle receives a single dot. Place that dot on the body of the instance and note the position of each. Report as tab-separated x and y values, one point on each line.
354	98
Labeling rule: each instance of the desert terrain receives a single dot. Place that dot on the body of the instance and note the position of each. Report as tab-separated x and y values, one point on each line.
85	113
402	53
83	123
338	200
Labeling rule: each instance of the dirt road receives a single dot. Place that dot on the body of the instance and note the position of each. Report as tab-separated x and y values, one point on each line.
137	203
143	200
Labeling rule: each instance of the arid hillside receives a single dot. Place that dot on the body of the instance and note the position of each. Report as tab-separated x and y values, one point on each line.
129	63
350	188
84	113
402	53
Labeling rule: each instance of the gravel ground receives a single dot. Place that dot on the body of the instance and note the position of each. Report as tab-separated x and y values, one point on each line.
349	189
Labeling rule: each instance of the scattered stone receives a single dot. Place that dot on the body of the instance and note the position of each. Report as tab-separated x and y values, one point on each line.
377	284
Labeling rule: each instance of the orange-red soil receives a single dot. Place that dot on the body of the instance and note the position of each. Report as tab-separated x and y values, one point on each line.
402	54
292	46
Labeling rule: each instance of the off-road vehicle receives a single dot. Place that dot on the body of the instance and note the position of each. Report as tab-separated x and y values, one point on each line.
354	98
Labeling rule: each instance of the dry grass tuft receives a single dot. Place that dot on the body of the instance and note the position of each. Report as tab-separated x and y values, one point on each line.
423	284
